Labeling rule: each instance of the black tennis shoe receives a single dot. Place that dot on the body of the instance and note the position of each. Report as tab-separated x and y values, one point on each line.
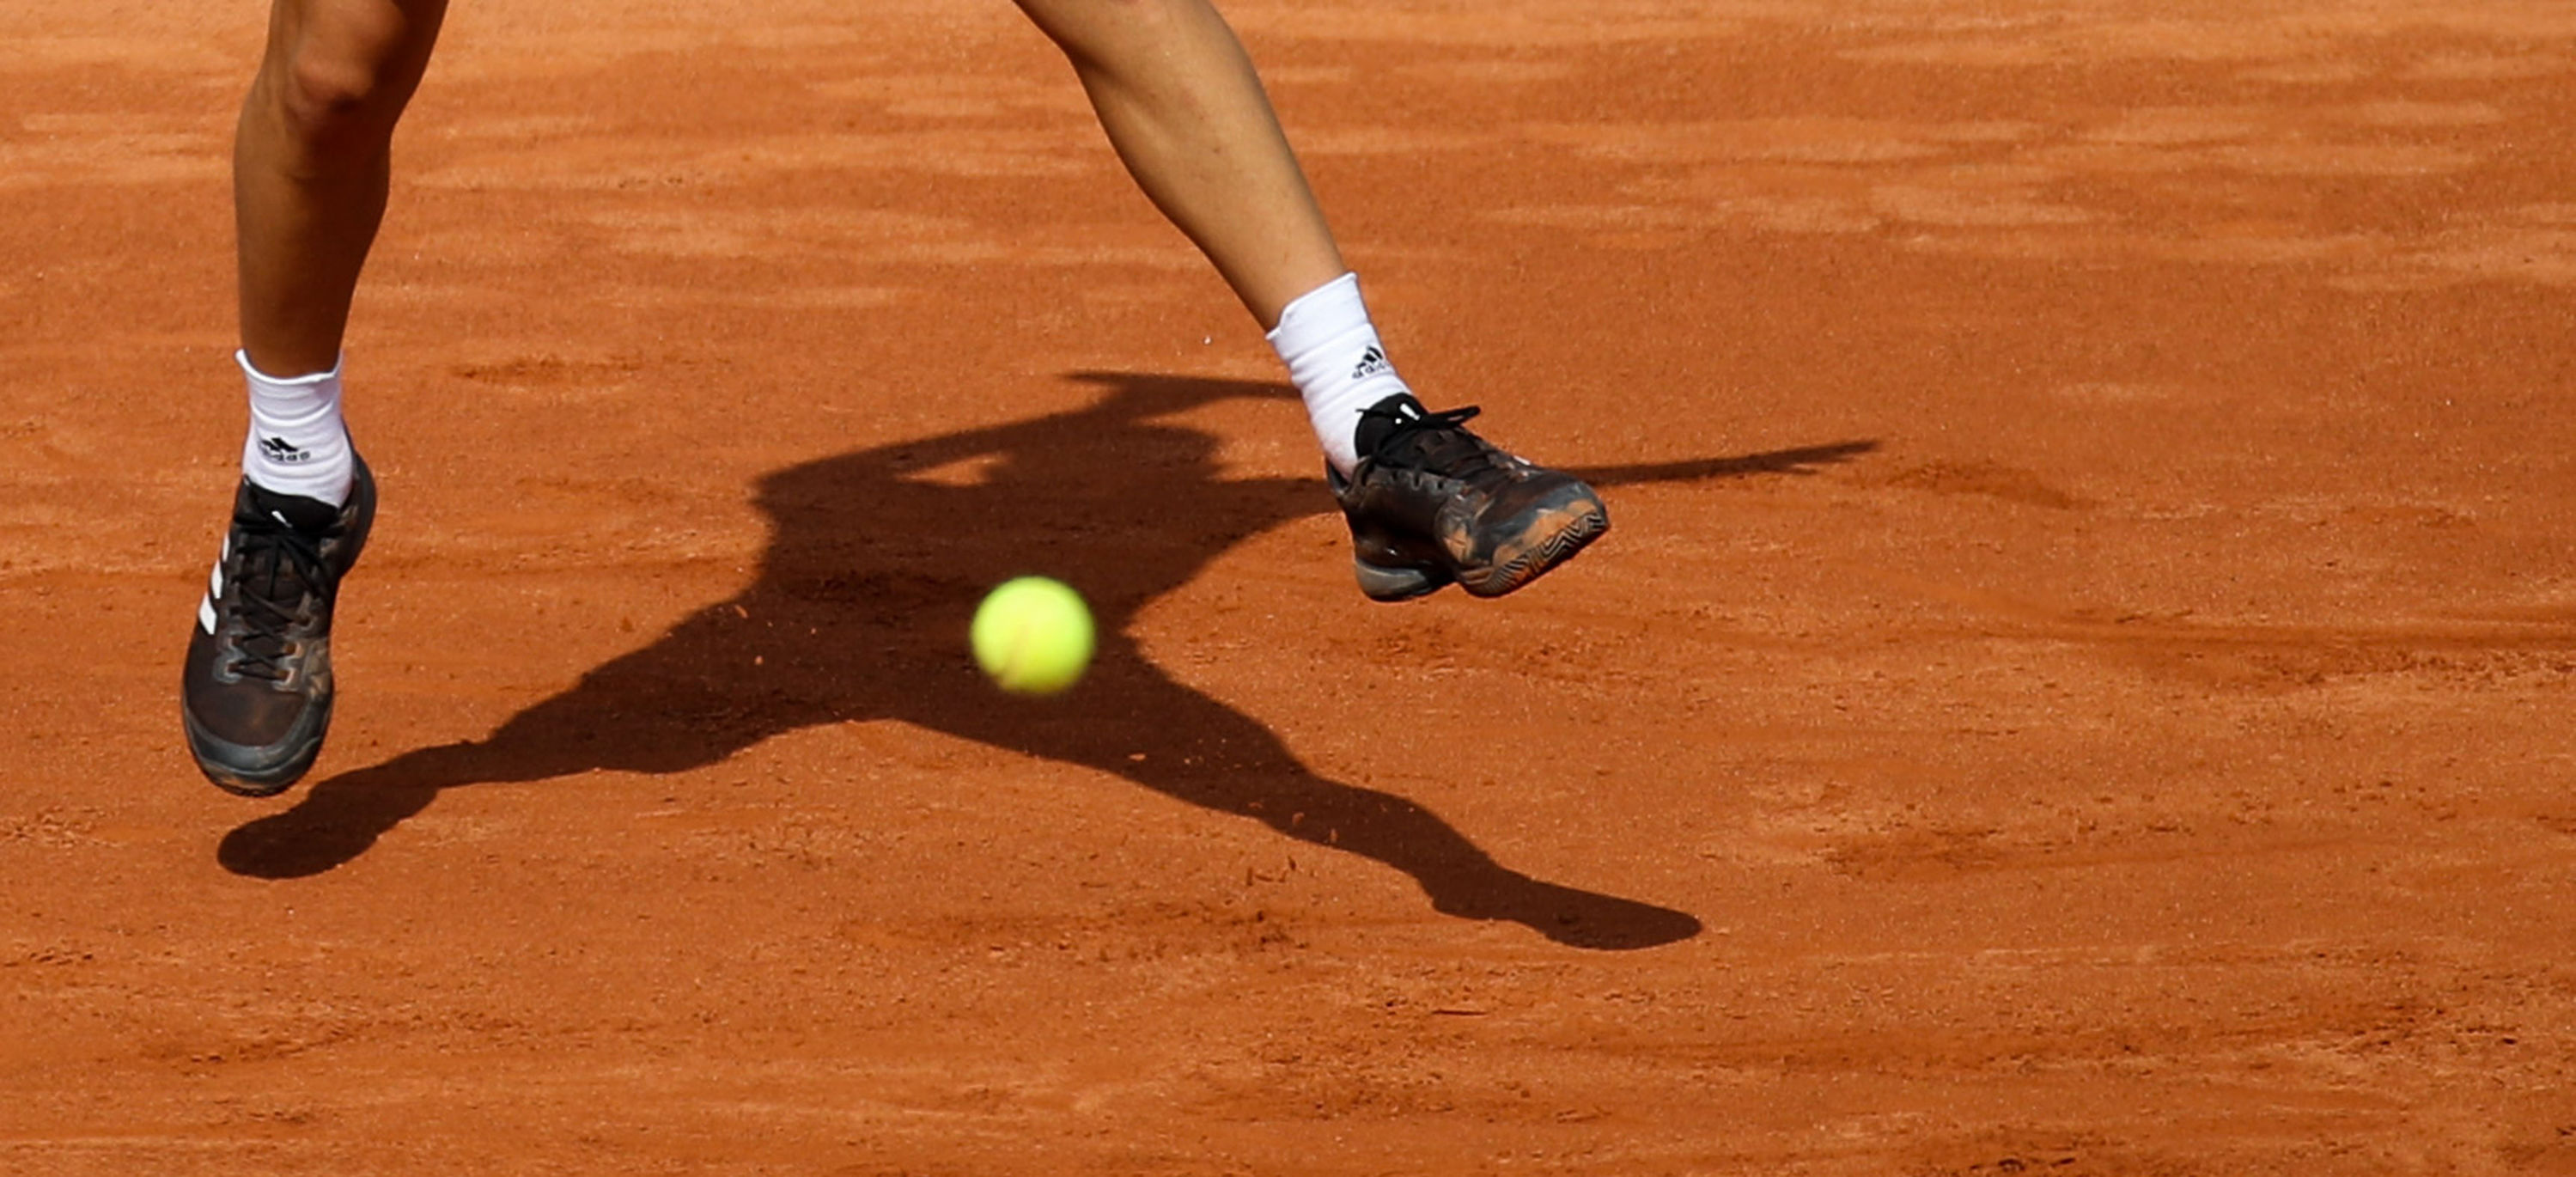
255	695
1431	503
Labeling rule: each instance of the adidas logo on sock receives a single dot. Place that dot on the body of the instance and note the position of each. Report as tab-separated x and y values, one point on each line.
1372	362
282	451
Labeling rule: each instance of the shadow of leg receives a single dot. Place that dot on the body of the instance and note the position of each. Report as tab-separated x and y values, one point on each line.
340	818
670	707
1197	750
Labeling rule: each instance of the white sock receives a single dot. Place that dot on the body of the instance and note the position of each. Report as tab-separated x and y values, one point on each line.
298	444
1333	355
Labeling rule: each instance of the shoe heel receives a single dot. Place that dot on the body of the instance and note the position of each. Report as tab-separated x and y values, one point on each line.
1394	584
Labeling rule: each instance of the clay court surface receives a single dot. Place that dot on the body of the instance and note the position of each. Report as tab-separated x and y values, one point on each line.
2079	681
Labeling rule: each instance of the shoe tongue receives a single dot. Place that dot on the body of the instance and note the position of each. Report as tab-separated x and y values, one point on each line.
297	511
1375	429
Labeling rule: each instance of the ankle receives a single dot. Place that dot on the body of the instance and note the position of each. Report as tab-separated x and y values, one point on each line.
298	444
1339	365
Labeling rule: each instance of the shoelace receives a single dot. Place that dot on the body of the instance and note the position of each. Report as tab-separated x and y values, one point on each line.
1437	442
281	568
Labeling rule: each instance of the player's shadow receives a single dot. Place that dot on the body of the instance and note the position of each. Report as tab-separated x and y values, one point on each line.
860	610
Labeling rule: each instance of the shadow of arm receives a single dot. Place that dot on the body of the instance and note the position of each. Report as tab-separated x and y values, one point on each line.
1804	460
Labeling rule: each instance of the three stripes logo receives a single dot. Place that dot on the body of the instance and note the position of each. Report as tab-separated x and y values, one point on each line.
283	452
214	589
1372	363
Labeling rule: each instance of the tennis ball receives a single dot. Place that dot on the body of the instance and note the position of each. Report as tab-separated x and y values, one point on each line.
1032	635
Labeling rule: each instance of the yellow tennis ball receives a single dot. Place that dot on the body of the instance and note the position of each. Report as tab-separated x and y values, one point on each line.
1033	636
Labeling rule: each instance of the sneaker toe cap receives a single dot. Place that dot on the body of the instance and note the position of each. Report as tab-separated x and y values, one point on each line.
242	754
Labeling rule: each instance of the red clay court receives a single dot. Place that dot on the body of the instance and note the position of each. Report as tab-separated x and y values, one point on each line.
2079	682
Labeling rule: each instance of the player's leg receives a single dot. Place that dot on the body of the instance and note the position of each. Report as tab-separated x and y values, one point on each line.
1186	112
310	166
1428	502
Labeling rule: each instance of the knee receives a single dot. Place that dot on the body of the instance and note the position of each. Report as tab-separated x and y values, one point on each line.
1105	10
326	100
340	89
1084	27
